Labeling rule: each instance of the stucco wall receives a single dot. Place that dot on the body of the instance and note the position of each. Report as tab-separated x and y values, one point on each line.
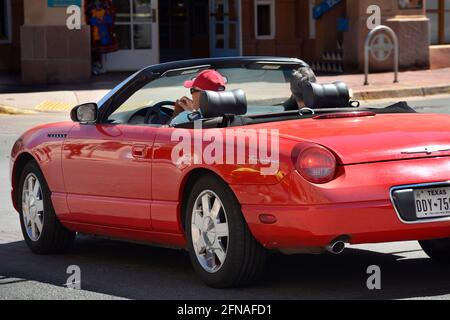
410	25
38	14
51	53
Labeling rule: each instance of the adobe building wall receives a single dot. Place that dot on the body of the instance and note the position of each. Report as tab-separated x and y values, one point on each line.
291	37
410	25
51	53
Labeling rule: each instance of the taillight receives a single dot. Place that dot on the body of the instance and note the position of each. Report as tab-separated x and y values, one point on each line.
315	163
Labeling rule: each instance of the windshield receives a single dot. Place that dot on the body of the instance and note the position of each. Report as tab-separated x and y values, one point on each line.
266	90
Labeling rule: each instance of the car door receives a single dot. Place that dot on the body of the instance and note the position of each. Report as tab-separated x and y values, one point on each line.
107	174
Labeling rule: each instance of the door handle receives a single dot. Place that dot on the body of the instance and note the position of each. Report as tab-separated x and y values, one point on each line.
139	151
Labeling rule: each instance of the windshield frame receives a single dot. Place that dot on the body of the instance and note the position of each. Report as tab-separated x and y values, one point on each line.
116	97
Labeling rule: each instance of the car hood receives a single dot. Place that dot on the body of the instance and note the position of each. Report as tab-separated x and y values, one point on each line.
385	137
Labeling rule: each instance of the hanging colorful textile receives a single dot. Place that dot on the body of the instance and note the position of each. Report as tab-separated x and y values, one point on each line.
100	15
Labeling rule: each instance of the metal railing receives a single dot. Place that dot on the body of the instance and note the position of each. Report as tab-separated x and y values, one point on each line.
367	50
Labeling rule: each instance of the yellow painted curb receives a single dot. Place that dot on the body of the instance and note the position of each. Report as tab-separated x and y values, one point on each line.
54	106
14	111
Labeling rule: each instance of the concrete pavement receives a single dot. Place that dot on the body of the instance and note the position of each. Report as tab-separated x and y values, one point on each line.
411	83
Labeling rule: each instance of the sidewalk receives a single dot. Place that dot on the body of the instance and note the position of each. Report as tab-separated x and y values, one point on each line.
61	98
51	98
411	83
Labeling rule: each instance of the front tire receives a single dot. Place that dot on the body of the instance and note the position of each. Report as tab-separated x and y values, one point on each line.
222	250
438	250
41	229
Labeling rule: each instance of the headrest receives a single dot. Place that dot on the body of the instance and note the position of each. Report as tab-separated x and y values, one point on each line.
216	104
332	95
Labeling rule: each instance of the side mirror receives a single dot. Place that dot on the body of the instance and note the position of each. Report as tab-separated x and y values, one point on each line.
85	113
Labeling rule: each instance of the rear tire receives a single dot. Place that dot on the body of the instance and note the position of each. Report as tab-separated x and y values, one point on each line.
42	231
223	252
438	250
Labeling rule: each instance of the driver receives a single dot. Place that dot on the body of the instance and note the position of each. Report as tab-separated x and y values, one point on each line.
207	80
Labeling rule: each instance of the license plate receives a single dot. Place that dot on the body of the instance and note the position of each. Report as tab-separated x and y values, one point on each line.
432	203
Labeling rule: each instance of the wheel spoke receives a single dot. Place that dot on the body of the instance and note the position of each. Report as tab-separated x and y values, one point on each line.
222	229
39	205
216	209
38	224
198	220
25	197
30	185
219	252
25	209
210	259
200	245
29	223
33	230
206	206
36	188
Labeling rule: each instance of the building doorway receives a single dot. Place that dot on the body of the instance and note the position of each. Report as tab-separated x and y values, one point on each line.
225	28
153	31
199	29
184	29
137	34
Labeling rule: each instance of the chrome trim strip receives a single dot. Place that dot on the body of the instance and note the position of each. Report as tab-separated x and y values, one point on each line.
413	186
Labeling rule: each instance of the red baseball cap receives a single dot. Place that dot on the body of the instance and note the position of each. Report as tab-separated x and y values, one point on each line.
209	80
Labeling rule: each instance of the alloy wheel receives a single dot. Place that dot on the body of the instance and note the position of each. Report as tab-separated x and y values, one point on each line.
33	207
210	232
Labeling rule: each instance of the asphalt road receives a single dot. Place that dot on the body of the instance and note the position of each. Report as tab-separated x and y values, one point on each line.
115	270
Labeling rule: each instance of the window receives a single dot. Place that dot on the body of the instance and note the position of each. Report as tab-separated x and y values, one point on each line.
5	22
438	11
133	24
265	19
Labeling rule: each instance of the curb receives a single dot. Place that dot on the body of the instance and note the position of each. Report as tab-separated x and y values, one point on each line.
4	110
53	106
400	93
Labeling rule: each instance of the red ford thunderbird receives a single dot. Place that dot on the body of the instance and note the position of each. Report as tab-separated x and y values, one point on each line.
247	177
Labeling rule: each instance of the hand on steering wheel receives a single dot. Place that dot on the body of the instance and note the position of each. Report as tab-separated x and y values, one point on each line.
154	115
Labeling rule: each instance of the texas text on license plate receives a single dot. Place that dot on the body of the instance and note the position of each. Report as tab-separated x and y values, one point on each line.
432	203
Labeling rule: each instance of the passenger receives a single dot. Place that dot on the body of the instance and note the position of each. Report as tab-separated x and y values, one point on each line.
299	77
186	109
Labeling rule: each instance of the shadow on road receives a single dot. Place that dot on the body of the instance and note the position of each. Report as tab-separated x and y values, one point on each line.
141	272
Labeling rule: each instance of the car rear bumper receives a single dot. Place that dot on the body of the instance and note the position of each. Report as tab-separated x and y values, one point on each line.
318	225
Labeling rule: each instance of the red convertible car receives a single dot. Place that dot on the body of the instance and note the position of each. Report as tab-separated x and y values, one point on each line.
246	178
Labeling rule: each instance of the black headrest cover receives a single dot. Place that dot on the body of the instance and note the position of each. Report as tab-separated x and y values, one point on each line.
216	104
332	95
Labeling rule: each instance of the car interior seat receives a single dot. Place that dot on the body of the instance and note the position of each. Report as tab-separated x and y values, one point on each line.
217	104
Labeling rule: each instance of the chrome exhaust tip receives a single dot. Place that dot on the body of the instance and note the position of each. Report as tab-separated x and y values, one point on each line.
336	247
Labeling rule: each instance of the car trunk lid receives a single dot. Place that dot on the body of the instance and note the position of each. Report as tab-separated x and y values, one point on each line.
384	137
